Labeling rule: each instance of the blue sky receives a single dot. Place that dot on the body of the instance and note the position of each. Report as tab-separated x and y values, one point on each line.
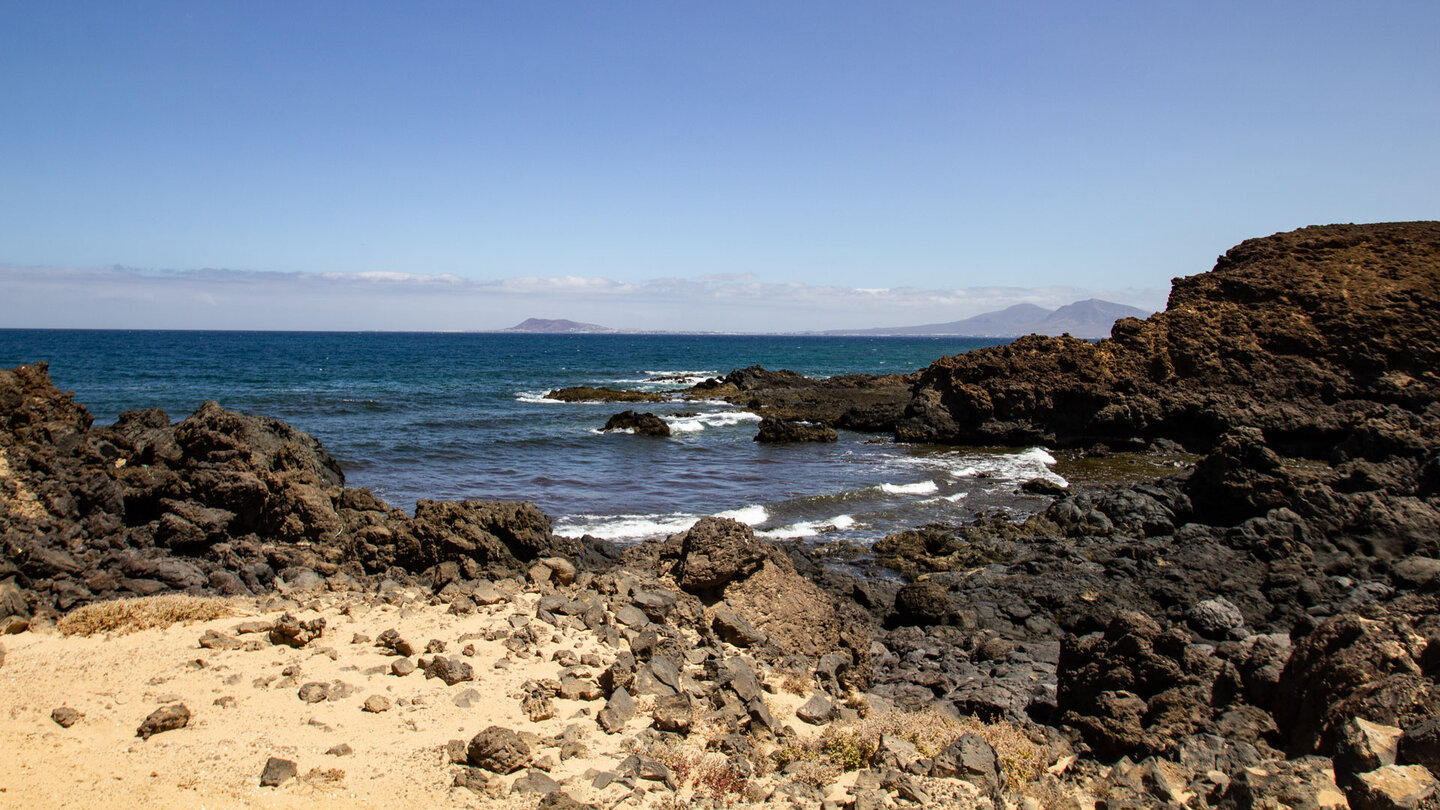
750	166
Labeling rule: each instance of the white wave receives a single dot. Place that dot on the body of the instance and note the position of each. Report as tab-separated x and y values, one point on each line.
625	527
921	488
536	399
699	422
752	515
956	498
1035	455
966	472
809	528
604	432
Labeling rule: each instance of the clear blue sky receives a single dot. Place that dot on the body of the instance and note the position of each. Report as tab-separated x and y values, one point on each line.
568	157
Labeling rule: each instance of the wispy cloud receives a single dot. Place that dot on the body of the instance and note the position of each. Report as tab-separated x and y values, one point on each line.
122	297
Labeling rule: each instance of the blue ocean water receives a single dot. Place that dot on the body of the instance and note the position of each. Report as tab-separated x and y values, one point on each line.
452	416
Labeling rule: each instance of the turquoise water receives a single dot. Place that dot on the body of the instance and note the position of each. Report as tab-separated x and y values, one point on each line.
450	416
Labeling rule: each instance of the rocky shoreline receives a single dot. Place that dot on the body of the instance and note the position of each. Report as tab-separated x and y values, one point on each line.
1258	630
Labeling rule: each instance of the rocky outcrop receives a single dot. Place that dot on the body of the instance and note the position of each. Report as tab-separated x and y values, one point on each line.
1298	334
861	402
645	424
754	588
780	431
585	393
220	502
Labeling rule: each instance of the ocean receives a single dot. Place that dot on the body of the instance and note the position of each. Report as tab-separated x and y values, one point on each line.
464	416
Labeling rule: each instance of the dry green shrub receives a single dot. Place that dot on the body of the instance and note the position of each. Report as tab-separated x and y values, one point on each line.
122	616
708	773
852	745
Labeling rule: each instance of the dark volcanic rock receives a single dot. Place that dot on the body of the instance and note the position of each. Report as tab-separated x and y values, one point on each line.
498	750
780	431
1352	666
588	394
646	424
713	552
1279	336
860	402
278	771
165	718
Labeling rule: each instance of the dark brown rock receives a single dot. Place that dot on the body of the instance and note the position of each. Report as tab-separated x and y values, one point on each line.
498	750
165	718
65	717
1276	336
277	771
643	424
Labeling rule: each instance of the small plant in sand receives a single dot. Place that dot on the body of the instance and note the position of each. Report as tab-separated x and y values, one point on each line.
849	746
122	616
703	773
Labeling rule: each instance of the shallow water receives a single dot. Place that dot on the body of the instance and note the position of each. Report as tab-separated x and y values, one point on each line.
452	416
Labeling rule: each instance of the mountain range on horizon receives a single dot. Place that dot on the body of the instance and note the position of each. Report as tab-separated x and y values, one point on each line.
1091	318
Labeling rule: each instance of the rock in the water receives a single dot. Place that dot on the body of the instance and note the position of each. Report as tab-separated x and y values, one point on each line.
645	424
781	431
165	718
277	771
498	750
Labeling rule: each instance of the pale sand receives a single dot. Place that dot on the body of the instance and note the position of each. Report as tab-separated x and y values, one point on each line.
216	761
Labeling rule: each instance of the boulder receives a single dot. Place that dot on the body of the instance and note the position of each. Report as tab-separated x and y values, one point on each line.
644	424
498	750
780	431
165	718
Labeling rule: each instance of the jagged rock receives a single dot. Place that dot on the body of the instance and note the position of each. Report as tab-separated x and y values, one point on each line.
376	704
1279	335
165	718
573	688
277	771
1362	746
1351	666
390	640
1420	745
293	632
1303	782
499	750
712	553
735	630
818	710
449	670
617	711
673	713
971	759
1395	787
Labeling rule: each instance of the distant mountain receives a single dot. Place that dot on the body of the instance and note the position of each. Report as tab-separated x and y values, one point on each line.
559	326
1084	319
